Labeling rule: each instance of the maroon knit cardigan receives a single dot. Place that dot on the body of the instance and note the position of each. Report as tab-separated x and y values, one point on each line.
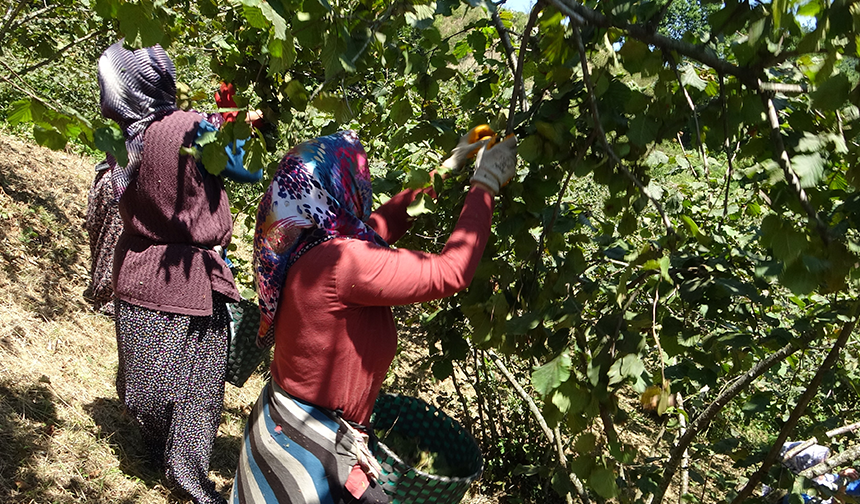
173	217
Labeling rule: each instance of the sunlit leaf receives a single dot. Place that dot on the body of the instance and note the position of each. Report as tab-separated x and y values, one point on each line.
549	376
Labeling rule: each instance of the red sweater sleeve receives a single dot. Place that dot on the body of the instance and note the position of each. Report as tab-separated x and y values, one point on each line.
370	275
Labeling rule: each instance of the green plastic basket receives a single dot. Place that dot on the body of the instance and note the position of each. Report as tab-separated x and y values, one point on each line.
435	431
244	356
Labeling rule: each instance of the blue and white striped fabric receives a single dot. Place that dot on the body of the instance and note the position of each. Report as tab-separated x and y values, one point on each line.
137	87
294	452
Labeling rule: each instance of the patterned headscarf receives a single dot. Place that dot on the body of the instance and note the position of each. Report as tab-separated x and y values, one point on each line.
137	87
321	191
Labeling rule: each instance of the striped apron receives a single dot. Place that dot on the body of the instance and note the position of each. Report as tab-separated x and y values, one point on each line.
294	452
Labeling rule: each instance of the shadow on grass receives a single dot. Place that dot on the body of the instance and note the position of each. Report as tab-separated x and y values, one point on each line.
122	435
27	419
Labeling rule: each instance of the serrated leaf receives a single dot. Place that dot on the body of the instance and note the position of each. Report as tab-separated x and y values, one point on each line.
832	93
786	242
530	148
110	139
401	112
298	95
642	130
421	205
548	377
421	16
253	12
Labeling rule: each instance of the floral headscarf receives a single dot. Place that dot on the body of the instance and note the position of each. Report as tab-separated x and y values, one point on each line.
137	87
321	191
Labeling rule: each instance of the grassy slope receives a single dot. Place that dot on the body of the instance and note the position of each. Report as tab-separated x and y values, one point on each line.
63	434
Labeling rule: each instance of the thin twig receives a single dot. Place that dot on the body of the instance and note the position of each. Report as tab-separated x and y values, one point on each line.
692	106
586	76
548	228
726	146
686	156
685	459
842	430
60	51
585	16
11	14
799	448
790	176
506	41
522	393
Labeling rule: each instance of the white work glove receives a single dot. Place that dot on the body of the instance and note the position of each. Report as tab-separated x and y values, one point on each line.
464	149
496	165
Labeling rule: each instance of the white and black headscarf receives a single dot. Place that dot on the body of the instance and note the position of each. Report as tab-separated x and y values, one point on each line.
137	87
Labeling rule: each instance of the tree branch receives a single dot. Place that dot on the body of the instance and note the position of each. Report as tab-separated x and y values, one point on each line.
582	15
526	397
800	408
849	455
519	85
701	422
842	430
506	41
11	14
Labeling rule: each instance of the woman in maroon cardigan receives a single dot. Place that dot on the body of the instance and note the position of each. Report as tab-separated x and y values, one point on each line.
327	279
170	282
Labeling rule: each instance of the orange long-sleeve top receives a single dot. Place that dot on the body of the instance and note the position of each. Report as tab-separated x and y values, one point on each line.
334	332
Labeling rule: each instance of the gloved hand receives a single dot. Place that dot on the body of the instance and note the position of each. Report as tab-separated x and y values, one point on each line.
468	145
496	165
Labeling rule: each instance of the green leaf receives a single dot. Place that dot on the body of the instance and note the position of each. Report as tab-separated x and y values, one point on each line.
49	137
530	148
548	377
758	403
110	139
214	158
643	130
602	481
421	205
832	93
401	112
298	95
809	167
784	239
253	11
690	78
19	111
421	16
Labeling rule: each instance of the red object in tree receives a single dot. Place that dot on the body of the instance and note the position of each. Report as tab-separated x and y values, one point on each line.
224	99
